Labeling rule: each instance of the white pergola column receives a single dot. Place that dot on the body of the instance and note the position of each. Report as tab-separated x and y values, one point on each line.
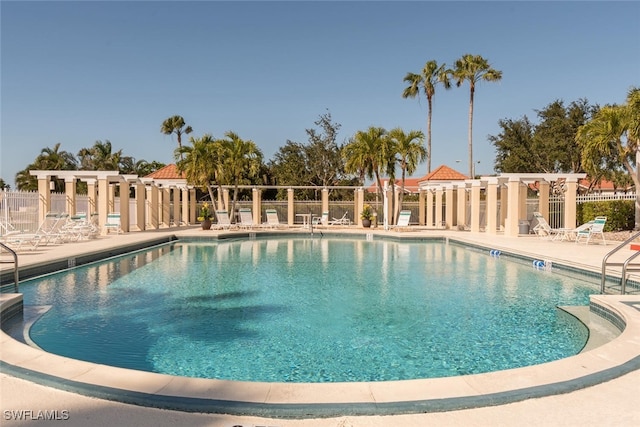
475	206
492	206
359	206
543	198
256	194
176	206
111	197
103	203
291	213
325	200
522	211
389	213
141	192
421	207
44	191
70	195
449	206
504	203
185	206
429	208
438	207
462	205
513	196
124	207
570	202
153	200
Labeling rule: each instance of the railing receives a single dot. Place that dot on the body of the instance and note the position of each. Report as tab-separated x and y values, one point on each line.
625	265
15	266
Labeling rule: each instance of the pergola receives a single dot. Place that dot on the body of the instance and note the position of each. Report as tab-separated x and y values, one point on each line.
512	188
101	189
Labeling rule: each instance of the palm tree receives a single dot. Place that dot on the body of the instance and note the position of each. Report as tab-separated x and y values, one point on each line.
473	68
176	124
431	75
240	158
100	157
48	159
614	131
410	151
362	154
199	162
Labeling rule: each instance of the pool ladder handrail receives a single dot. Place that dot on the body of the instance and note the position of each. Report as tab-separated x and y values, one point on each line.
15	265
625	265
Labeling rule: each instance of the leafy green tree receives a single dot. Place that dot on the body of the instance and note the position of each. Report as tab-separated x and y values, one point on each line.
431	75
410	153
612	133
555	135
474	69
289	166
514	147
176	125
324	162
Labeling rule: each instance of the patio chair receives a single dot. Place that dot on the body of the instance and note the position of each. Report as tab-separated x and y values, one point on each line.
272	219
543	229
321	220
340	221
224	223
403	221
597	227
246	219
113	223
15	238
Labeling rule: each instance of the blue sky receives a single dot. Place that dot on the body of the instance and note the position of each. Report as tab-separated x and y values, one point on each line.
78	72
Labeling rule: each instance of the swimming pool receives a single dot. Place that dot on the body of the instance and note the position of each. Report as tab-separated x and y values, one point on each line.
310	310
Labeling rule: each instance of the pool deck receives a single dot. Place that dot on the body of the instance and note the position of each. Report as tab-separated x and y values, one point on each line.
597	387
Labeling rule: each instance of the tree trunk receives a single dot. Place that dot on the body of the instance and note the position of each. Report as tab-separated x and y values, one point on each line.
471	133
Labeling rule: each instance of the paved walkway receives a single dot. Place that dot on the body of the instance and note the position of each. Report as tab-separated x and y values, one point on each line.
613	403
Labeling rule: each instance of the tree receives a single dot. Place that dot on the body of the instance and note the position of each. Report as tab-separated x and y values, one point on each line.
200	162
410	152
48	159
240	158
473	68
514	147
363	154
101	157
176	125
324	162
289	166
431	75
613	132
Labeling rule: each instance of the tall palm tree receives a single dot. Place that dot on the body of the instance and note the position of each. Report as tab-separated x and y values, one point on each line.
176	125
100	157
240	158
410	151
473	68
431	75
48	159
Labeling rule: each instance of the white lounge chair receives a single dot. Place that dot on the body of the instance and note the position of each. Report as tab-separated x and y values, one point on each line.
272	219
543	229
15	238
597	227
340	221
246	219
223	220
113	223
403	221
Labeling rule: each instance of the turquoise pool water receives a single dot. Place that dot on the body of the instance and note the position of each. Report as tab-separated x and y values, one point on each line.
310	310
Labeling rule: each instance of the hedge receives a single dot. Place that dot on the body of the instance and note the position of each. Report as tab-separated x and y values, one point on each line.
620	213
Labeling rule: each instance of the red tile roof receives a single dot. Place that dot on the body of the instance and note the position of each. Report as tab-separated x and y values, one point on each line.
411	185
168	172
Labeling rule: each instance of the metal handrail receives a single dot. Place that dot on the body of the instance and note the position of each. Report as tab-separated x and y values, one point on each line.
623	264
15	267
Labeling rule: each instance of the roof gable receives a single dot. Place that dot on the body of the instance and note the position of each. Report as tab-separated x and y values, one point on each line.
170	171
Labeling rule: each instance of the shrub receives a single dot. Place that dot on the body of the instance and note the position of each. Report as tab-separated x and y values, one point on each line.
620	213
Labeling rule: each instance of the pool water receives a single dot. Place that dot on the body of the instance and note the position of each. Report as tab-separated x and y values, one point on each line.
310	310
